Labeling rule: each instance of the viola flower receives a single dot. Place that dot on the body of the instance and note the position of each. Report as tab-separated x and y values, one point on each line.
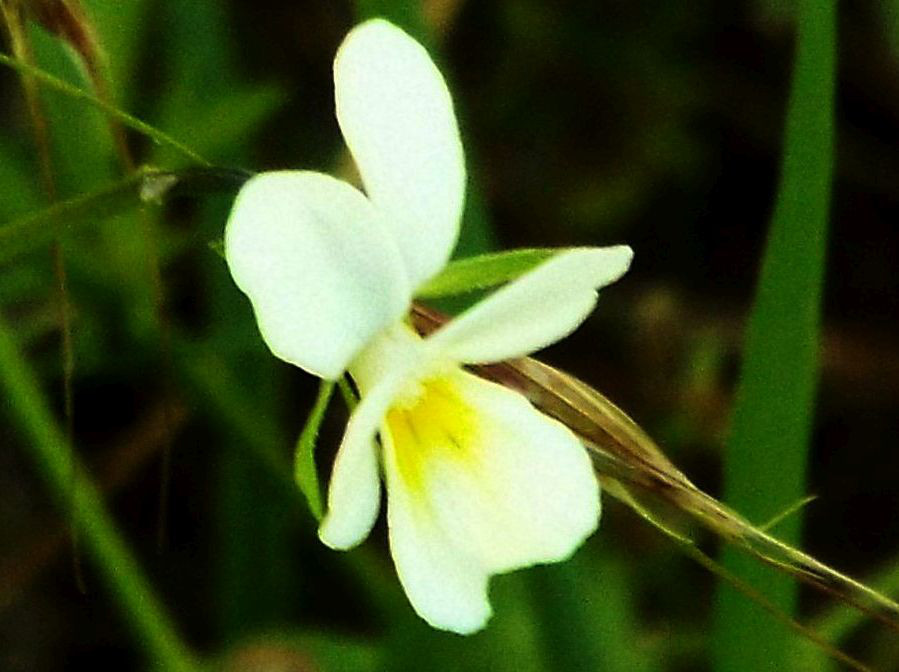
478	481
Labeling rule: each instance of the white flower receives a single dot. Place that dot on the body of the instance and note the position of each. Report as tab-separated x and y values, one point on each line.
478	481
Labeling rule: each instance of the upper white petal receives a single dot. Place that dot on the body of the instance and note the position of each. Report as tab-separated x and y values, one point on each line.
539	308
397	117
321	272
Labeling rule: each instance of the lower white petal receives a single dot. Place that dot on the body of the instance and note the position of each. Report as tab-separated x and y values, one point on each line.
524	492
446	586
479	482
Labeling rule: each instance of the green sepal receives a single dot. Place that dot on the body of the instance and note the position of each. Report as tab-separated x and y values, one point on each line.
484	271
304	471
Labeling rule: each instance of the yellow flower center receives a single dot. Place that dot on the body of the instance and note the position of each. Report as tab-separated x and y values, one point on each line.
434	424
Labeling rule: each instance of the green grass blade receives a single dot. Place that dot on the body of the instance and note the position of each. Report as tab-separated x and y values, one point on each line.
304	470
767	452
483	271
41	228
28	408
156	135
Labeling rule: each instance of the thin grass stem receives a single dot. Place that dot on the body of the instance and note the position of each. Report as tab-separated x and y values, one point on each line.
47	445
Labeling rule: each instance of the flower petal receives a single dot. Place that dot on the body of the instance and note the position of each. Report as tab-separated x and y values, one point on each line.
322	274
355	489
479	482
507	485
397	117
539	308
446	586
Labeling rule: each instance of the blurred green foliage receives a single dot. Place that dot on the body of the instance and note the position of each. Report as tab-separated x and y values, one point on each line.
651	123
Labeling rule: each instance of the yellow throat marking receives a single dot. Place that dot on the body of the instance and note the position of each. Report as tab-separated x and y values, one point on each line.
437	424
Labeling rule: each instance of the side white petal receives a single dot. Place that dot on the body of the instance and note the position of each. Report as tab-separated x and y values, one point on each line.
539	308
397	117
355	489
519	489
446	585
321	272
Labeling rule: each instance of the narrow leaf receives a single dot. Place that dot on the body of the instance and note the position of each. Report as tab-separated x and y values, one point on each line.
765	459
41	228
304	458
156	135
484	271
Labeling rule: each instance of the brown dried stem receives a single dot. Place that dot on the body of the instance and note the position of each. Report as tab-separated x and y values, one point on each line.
14	20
